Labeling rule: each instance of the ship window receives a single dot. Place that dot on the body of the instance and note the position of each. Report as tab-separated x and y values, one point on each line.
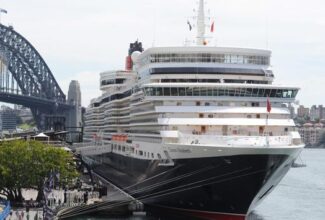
166	91
140	152
119	147
189	92
158	91
159	157
181	91
152	155
204	92
174	91
196	91
123	148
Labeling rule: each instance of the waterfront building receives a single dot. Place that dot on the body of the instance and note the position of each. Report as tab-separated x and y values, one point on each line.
311	133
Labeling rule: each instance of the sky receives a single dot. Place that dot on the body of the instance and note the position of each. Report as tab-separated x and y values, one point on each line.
78	39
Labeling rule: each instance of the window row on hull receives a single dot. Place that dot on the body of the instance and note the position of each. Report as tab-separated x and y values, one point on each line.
205	58
214	81
224	91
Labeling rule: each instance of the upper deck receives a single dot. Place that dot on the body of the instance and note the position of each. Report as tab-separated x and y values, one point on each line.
204	55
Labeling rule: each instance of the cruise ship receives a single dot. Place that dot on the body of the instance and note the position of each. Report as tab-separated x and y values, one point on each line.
197	130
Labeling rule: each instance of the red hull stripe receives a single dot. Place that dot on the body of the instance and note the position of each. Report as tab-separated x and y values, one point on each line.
207	215
216	216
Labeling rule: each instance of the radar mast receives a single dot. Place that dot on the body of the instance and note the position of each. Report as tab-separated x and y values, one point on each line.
201	25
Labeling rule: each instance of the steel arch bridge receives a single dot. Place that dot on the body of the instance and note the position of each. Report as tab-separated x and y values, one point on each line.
25	79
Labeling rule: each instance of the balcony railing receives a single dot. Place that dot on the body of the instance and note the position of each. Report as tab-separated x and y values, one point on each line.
232	141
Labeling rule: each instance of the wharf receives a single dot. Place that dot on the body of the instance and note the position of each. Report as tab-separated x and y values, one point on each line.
114	202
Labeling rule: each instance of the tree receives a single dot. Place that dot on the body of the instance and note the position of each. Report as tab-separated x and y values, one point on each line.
26	164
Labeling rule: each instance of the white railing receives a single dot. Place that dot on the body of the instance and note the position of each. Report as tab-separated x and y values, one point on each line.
235	141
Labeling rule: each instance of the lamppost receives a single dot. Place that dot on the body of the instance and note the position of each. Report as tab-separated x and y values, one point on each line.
2	11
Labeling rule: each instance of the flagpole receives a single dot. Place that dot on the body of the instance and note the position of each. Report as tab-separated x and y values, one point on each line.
267	133
268	109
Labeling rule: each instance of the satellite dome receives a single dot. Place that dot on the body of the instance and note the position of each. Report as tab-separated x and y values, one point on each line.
135	55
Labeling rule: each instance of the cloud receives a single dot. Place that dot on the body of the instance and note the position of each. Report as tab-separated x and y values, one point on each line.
74	36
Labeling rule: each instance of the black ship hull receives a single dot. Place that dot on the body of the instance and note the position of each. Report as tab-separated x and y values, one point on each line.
225	187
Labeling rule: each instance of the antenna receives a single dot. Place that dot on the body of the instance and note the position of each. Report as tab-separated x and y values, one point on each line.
267	25
154	27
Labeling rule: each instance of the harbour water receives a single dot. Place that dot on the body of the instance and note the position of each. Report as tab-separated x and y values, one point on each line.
299	196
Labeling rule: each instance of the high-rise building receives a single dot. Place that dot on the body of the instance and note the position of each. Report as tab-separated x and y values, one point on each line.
302	111
74	93
316	112
74	122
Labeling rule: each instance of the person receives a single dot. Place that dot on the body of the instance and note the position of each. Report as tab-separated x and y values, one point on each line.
86	197
65	196
36	216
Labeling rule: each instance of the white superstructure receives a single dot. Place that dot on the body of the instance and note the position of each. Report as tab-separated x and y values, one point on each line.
192	95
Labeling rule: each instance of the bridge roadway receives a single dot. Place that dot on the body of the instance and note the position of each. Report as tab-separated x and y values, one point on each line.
32	101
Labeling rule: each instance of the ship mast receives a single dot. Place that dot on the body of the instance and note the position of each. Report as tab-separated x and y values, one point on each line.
201	25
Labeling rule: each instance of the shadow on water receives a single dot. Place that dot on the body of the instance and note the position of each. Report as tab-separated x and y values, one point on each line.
150	216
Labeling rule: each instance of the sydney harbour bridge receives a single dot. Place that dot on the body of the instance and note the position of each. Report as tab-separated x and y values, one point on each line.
26	79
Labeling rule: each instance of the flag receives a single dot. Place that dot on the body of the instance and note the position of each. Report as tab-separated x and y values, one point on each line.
268	105
212	27
189	25
3	11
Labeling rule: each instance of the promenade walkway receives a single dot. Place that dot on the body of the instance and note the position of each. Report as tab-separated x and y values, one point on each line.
57	201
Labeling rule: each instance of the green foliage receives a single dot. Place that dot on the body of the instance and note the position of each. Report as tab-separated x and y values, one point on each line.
25	126
26	164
